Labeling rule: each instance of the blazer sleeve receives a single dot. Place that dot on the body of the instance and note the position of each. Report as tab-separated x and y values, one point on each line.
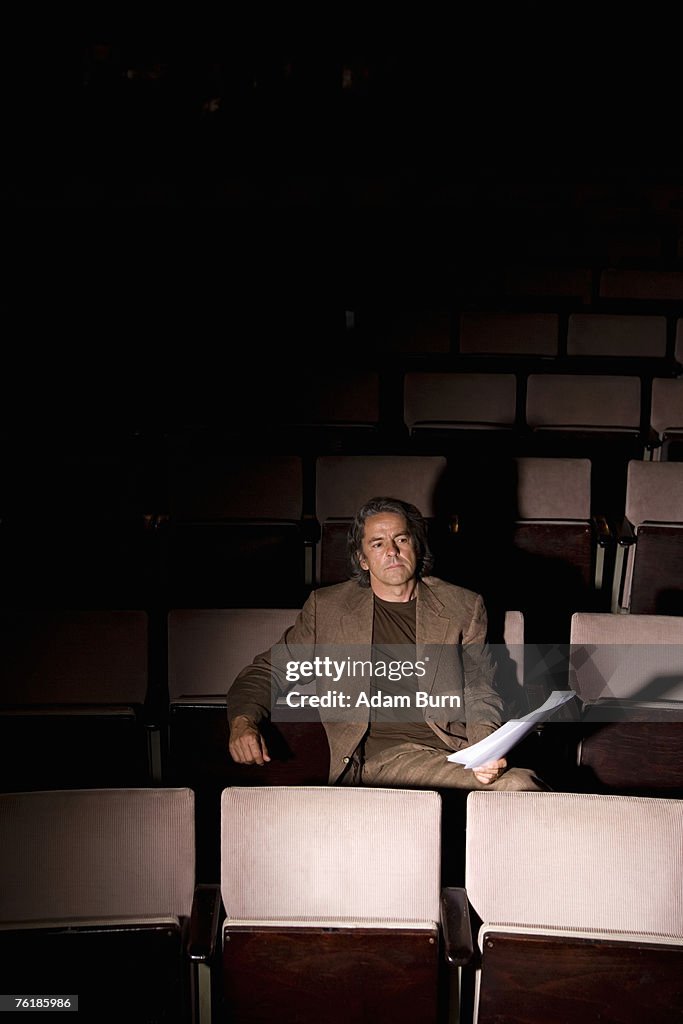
483	705
259	683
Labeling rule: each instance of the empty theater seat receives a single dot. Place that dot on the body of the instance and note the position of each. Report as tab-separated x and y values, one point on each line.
616	337
332	903
528	540
556	532
666	418
648	576
234	534
96	898
77	707
459	412
576	908
594	416
627	670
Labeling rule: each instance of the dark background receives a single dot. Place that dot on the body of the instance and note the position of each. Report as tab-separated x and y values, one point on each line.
188	212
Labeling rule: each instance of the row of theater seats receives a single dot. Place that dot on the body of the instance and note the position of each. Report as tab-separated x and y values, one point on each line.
82	506
451	408
244	531
262	530
483	414
557	337
441	400
525	531
313	411
330	905
89	700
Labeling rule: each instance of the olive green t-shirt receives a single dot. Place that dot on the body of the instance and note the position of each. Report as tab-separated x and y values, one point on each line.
394	623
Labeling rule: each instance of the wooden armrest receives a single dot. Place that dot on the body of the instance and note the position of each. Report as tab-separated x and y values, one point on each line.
204	923
602	530
311	529
625	533
456	926
651	439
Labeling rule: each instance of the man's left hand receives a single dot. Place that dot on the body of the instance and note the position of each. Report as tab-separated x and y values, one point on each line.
490	772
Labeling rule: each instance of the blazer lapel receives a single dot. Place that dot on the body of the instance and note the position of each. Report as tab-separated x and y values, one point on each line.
355	622
431	629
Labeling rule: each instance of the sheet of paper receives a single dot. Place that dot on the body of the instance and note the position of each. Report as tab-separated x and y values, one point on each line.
556	699
510	733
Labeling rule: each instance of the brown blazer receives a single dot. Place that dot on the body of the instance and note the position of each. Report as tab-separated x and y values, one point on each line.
450	623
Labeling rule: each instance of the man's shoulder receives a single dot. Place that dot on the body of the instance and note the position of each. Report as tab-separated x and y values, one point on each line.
450	594
336	593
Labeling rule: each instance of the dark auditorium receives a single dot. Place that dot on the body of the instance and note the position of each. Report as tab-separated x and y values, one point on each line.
341	528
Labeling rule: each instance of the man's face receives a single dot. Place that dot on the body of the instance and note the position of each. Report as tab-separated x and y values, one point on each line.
388	550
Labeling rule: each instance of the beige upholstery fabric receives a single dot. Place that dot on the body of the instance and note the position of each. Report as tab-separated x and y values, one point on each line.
604	334
514	628
579	862
513	636
101	853
626	656
654	492
553	488
605	628
459	398
599	400
207	647
344	482
667	404
298	854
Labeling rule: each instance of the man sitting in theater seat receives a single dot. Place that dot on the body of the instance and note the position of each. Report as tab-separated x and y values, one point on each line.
390	603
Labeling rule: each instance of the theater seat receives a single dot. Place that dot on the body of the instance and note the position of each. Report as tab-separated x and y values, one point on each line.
470	415
575	906
648	576
593	416
234	532
627	670
76	709
332	903
666	418
559	545
97	889
530	542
